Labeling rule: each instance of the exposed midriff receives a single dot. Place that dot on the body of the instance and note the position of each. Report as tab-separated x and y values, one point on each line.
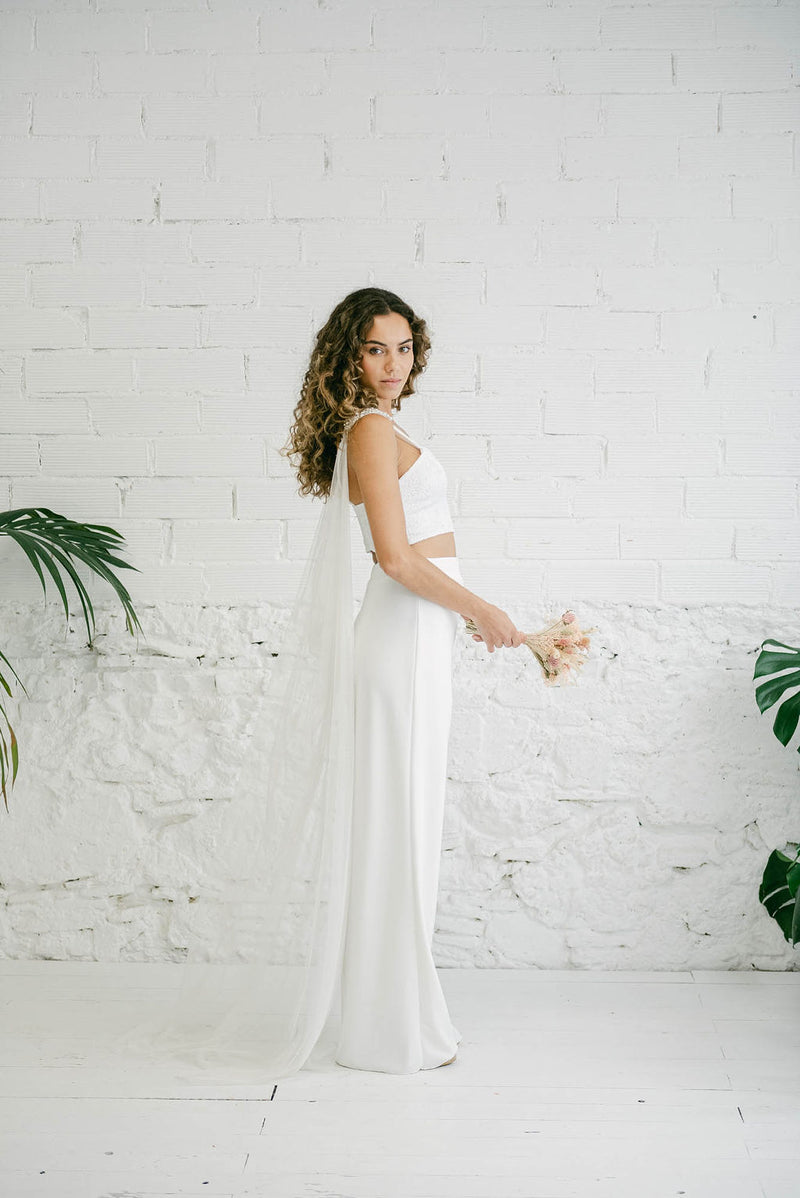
442	545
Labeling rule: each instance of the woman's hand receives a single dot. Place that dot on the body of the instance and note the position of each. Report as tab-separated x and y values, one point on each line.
496	628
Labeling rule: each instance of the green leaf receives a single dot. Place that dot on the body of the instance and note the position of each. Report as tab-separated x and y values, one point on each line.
769	663
51	540
780	892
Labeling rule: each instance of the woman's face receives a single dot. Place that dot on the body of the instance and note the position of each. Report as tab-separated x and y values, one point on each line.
387	355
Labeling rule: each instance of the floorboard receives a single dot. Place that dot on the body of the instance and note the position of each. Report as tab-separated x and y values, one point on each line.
567	1084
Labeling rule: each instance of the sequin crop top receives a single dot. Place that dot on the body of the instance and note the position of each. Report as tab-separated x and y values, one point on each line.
423	490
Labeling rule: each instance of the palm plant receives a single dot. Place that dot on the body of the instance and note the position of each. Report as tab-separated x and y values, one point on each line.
780	885
46	537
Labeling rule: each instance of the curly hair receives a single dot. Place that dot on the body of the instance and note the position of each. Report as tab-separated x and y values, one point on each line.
332	391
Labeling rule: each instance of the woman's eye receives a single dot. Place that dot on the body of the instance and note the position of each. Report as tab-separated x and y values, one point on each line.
374	350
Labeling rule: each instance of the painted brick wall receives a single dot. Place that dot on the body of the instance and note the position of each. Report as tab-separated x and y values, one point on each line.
595	206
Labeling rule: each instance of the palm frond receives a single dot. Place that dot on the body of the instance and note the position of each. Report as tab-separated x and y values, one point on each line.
44	535
50	540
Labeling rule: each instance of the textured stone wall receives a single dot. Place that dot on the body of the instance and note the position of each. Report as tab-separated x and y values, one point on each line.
621	823
595	208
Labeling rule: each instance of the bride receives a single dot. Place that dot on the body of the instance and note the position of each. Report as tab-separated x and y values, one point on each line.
367	356
320	874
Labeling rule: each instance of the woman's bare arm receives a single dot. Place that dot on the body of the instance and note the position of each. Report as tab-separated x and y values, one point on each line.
372	450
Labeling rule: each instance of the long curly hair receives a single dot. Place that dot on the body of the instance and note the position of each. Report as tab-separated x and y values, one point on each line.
332	391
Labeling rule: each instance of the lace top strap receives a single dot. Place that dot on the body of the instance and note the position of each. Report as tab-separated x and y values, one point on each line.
405	435
365	412
380	412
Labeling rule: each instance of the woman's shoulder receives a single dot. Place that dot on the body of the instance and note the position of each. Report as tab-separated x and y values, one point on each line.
366	412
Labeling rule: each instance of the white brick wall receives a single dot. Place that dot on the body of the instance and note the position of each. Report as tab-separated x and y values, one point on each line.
595	205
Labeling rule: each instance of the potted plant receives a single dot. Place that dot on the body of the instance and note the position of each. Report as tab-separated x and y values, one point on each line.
49	538
780	886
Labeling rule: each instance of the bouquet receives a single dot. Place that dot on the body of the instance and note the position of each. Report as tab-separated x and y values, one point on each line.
560	649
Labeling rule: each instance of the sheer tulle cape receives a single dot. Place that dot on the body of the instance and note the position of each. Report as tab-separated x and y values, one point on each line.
265	923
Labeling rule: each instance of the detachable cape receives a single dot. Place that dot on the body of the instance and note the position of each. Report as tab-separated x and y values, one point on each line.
263	922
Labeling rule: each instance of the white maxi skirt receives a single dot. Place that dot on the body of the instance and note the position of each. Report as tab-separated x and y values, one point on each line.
394	1017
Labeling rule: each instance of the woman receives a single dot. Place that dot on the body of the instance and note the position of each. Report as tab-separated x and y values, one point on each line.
394	1015
322	866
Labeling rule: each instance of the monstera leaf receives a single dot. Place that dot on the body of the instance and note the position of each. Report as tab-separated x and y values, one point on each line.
780	885
769	662
780	892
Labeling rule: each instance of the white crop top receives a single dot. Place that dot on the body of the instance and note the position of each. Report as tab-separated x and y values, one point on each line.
423	490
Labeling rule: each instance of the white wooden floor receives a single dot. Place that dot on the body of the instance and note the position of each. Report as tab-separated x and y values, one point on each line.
567	1084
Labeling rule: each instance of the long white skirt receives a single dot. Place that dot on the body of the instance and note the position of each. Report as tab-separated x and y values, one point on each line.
394	1017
